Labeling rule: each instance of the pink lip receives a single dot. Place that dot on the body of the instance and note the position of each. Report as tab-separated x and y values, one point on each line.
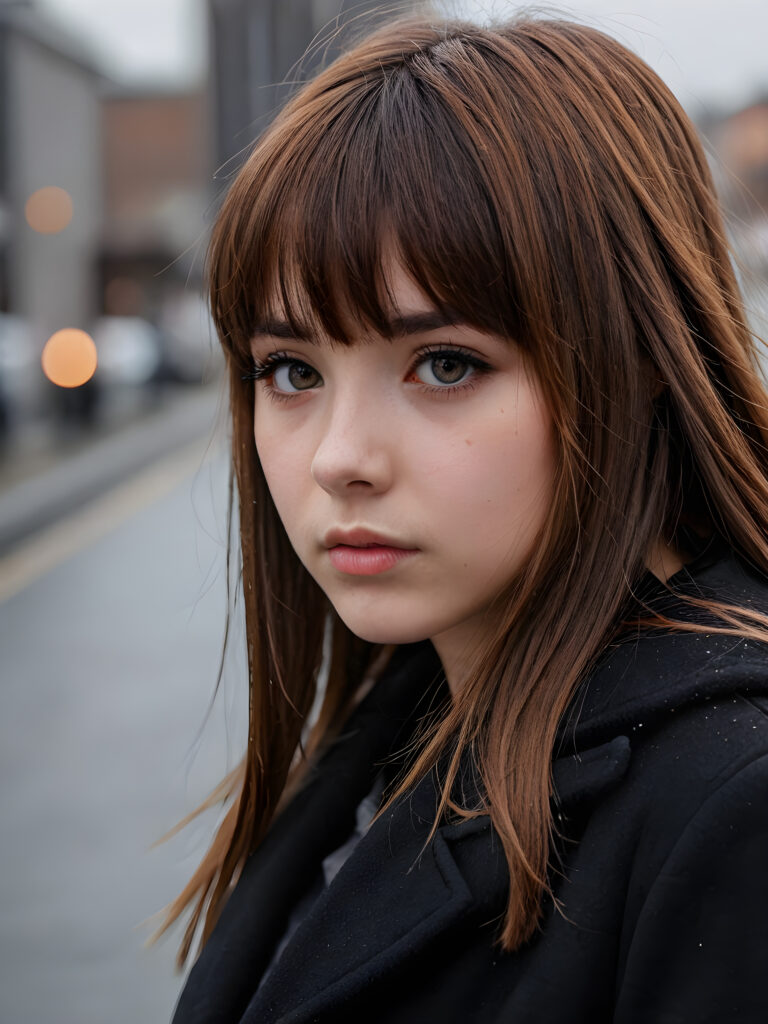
362	538
367	561
361	552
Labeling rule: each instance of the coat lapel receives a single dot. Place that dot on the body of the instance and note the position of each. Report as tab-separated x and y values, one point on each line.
579	780
389	899
395	894
317	820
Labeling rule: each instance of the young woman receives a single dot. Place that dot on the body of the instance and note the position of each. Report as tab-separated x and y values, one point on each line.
500	448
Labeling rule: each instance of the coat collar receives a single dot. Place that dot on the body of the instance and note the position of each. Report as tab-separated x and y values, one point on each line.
350	934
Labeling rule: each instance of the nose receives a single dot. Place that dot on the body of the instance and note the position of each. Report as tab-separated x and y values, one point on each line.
355	450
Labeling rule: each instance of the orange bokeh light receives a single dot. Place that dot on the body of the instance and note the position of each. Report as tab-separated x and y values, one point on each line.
69	358
49	210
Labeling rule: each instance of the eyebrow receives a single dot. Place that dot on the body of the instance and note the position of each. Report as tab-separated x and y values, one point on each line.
401	326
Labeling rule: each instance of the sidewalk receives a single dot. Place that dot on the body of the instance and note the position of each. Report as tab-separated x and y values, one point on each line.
49	484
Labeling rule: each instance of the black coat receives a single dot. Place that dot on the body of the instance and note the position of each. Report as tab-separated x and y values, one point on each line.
665	888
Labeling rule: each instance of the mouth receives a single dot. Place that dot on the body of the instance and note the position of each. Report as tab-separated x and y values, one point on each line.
367	559
363	539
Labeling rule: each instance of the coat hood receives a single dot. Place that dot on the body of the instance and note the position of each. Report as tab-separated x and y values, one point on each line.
644	677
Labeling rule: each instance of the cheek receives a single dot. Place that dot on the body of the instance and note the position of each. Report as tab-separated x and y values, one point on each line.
503	464
282	465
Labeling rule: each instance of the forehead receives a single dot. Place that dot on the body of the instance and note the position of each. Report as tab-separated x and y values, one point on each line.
403	289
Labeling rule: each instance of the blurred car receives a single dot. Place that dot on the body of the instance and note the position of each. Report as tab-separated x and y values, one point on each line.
129	351
191	354
22	392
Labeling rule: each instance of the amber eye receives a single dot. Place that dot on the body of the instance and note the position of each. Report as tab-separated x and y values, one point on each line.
295	376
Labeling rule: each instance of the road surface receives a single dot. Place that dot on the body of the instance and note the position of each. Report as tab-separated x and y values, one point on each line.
111	626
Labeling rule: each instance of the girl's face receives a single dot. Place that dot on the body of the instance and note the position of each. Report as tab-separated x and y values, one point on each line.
437	445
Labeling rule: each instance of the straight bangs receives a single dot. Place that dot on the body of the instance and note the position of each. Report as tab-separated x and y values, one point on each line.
339	188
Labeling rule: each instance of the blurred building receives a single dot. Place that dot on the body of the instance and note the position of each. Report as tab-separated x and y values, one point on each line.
741	142
49	137
103	193
157	174
50	206
257	49
740	167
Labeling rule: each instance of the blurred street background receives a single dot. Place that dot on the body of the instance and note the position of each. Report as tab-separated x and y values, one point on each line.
121	125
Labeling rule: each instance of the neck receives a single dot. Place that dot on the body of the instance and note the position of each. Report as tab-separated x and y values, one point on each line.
663	561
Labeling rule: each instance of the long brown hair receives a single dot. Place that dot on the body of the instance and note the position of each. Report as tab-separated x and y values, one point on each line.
540	179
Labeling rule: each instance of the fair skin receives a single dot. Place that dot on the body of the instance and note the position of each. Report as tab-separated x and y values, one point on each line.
451	462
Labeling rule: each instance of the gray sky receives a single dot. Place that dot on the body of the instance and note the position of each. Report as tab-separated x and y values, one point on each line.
160	41
713	53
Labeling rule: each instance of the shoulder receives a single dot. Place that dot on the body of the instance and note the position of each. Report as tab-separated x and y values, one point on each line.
696	924
685	763
691	709
657	775
681	842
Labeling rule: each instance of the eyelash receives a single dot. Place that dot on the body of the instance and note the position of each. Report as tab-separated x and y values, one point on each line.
265	370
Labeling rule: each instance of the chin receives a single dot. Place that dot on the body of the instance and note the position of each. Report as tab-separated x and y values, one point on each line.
381	632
